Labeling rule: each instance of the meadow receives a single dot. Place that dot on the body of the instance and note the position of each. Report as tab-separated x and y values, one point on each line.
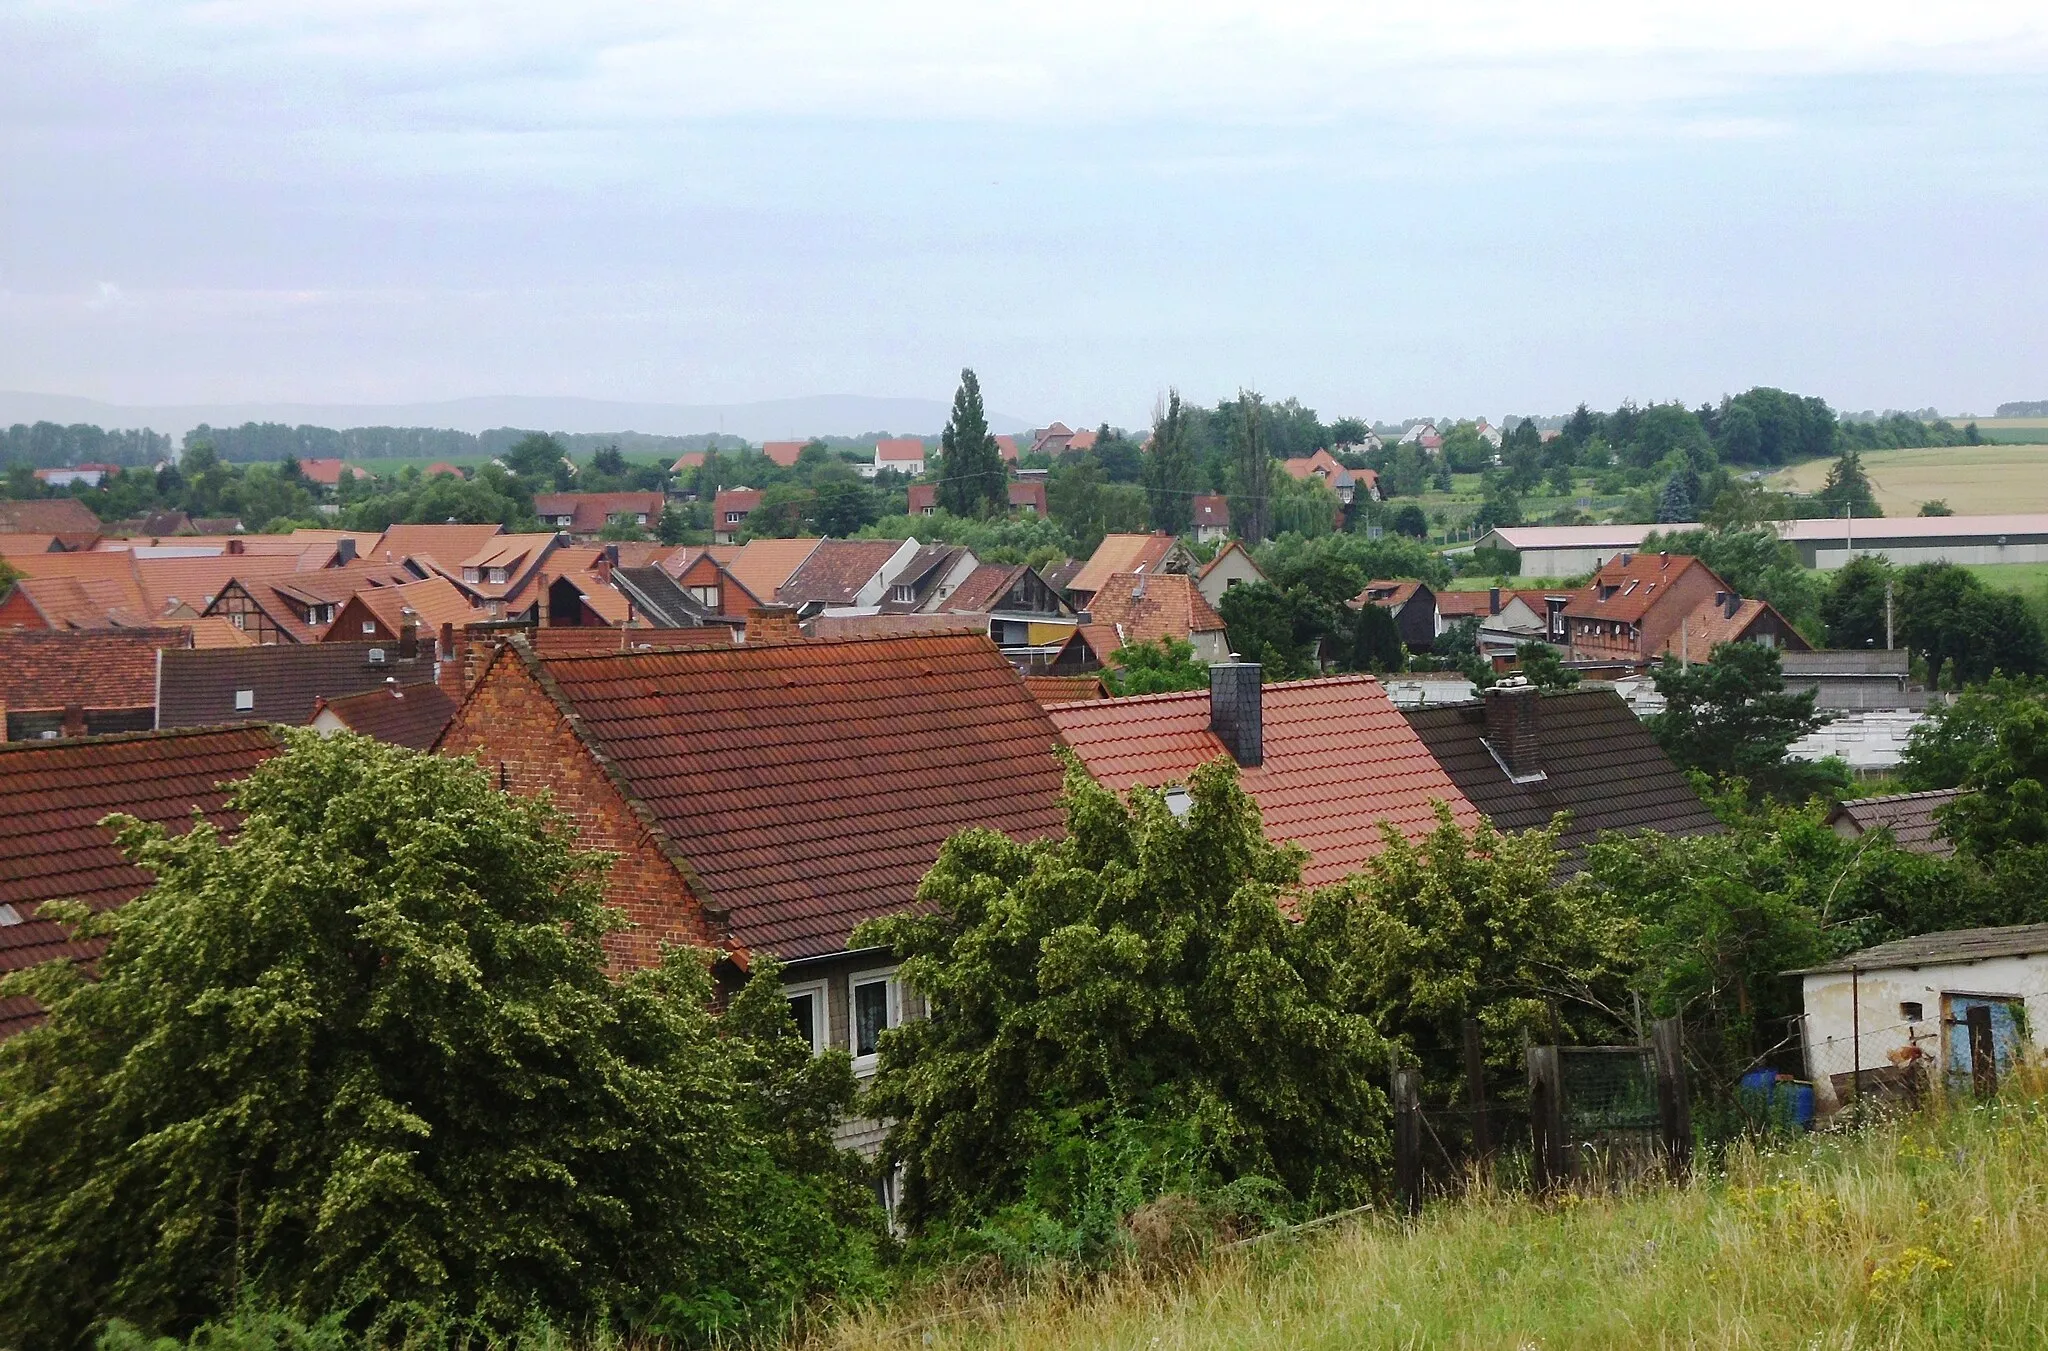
1920	1232
1973	480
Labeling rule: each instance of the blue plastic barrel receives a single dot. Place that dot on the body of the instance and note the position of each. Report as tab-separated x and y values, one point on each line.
1796	1097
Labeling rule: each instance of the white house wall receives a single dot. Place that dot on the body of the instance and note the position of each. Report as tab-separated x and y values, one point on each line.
1832	1041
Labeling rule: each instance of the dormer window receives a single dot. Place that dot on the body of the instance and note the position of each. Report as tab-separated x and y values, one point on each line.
472	575
500	575
903	593
706	596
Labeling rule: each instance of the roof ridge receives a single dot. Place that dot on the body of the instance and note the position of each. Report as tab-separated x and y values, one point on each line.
154	734
835	640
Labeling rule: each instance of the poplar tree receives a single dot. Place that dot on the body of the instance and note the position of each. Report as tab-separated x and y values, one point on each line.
972	481
1169	471
1251	469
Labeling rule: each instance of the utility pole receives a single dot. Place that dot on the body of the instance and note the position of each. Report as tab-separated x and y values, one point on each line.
1888	617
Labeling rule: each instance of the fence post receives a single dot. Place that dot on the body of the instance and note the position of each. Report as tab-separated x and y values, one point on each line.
1407	1141
1983	1052
1674	1102
1475	1087
1546	1118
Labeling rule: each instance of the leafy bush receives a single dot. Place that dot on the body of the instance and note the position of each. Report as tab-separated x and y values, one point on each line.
366	1057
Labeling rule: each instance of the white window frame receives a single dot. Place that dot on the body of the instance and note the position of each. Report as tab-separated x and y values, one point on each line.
882	975
821	1006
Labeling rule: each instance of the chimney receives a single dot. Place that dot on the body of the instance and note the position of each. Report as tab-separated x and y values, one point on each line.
344	550
235	546
772	624
448	670
1236	711
1732	604
1514	728
74	720
408	633
1493	600
541	599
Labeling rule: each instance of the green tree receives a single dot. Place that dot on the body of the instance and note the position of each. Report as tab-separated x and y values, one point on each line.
1409	520
1251	469
1375	641
675	524
1676	503
971	474
1169	470
843	504
1964	630
1943	749
537	458
1847	489
1259	620
1133	978
1937	507
1540	665
1160	667
1853	610
785	511
1731	716
366	1057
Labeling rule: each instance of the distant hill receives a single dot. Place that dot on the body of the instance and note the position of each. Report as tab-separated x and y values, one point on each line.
773	419
2037	408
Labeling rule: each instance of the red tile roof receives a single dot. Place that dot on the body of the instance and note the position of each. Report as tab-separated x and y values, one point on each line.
1028	494
892	625
1144	609
730	501
327	472
448	545
922	496
783	453
835	570
53	795
1710	625
589	513
1006	446
1392	594
1339	760
1212	510
404	715
1049	690
1121	553
810	785
1625	590
603	639
46	669
48	516
980	589
434	601
900	449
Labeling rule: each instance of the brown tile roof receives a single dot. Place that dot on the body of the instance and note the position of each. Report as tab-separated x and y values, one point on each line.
155	525
1060	576
287	596
1051	690
521	556
217	631
404	715
1338	760
1390	594
1212	509
434	601
53	795
1632	587
1909	816
327	472
1710	624
1121	553
446	544
982	588
923	495
1145	609
1006	446
96	668
199	686
48	516
633	553
1028	494
810	785
1102	639
28	544
1600	761
1470	604
783	453
900	449
589	513
835	570
731	500
86	602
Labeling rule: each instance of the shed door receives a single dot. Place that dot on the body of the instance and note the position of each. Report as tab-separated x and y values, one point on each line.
1955	1027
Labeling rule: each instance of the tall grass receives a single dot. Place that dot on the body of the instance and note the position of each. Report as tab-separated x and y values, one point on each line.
1927	1231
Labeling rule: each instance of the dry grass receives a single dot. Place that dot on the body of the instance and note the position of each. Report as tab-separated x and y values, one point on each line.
1973	480
1930	1232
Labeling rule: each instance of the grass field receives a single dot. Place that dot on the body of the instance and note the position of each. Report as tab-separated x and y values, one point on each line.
2027	578
1909	1235
1973	480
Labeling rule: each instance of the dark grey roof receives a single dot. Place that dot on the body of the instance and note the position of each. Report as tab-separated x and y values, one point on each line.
1940	949
1863	663
1909	817
661	600
1600	764
197	687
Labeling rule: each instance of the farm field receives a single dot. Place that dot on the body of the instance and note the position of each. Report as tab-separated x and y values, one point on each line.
2023	577
1973	480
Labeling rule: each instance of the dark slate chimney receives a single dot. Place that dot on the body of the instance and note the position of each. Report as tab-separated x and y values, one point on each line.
1236	714
1514	727
345	550
1493	600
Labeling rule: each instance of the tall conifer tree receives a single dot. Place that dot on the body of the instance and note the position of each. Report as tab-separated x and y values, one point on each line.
1251	471
1170	470
971	475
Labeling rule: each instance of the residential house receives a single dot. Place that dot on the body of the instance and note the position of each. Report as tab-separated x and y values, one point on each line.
441	467
901	454
69	683
31	544
1413	605
413	716
1328	761
1727	618
54	797
1339	478
64	476
661	601
207	687
1211	518
587	514
380	615
161	525
765	799
298	607
928	579
888	624
1150	554
783	453
1060	576
1366	445
1006	446
83	590
1419	432
1060	439
1869	679
1506	618
761	565
846	572
714	590
502	577
1950	1013
1522	756
1025	617
1027	497
1636	602
1232	566
66	516
924	499
326	473
431	548
729	511
1490	434
1142	609
1912	818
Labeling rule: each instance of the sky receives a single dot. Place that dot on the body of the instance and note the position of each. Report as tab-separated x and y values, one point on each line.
1392	209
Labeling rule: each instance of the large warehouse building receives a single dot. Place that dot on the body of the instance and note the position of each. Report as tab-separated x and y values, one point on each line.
1573	550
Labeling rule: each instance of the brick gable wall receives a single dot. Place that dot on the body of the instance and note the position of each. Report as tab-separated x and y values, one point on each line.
525	742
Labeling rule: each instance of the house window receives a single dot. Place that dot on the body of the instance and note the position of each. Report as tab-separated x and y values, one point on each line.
734	517
236	619
370	627
902	593
471	575
244	700
874	1006
498	574
706	596
1911	1012
807	1010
